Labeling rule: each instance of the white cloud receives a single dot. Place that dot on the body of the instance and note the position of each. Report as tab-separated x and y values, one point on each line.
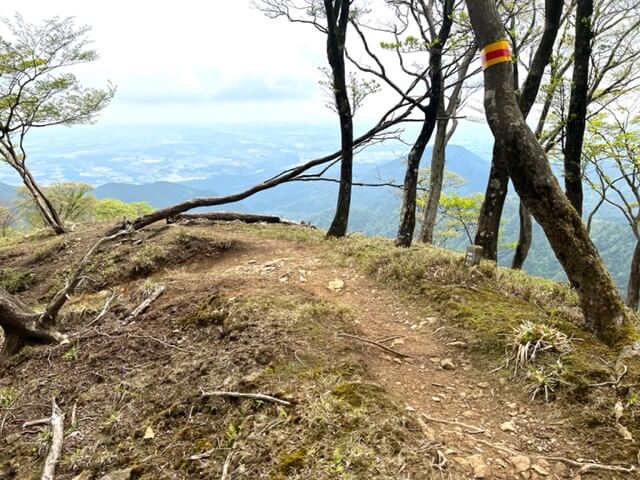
183	54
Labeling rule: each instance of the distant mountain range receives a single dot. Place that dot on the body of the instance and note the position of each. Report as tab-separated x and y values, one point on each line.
163	165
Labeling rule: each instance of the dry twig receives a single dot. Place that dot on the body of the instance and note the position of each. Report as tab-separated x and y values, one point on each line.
377	344
253	396
474	430
57	436
145	304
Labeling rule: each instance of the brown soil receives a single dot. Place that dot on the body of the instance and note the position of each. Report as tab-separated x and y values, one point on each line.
247	313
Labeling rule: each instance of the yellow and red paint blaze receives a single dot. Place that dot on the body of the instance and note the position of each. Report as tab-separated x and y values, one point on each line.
495	53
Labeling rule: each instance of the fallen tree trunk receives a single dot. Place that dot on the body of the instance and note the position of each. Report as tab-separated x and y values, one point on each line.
228	217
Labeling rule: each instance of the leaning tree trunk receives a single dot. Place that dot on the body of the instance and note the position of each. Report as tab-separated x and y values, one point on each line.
337	21
436	177
576	120
43	204
633	285
496	194
407	226
524	240
552	20
488	228
410	185
538	188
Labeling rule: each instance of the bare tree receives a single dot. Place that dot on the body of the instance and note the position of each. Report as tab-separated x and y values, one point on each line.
37	91
331	17
538	188
577	114
417	28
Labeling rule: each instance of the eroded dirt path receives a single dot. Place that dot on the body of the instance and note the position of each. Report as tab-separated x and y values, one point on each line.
485	424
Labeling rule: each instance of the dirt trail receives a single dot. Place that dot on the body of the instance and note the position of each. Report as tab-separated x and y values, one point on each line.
485	423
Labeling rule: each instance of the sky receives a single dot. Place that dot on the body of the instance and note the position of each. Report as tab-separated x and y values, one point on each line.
196	61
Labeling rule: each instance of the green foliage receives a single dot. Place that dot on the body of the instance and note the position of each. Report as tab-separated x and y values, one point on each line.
70	199
112	209
37	90
460	215
74	203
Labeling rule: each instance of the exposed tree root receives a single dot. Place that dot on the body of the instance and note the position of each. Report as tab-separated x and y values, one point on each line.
377	344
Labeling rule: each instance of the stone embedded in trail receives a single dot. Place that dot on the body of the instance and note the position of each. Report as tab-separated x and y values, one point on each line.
540	470
480	468
447	364
521	463
508	427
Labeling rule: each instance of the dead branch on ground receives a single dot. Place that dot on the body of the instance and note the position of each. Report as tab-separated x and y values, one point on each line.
377	344
253	396
57	436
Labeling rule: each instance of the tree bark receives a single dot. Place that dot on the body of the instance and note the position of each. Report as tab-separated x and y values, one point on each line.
404	236
22	326
439	154
43	204
436	177
337	21
524	240
633	285
542	57
488	228
538	188
576	119
407	225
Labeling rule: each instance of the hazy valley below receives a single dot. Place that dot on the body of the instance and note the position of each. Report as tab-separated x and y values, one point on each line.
163	165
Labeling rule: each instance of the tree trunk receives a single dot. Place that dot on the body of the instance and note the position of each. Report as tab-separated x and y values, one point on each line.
44	206
539	190
524	241
576	119
21	326
408	210
436	177
633	286
410	185
496	194
337	20
488	228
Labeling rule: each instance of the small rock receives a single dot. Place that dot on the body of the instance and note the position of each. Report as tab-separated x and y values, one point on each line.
447	364
83	476
483	385
435	359
336	285
480	468
149	434
512	405
469	414
436	399
126	474
540	470
508	427
521	463
561	470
